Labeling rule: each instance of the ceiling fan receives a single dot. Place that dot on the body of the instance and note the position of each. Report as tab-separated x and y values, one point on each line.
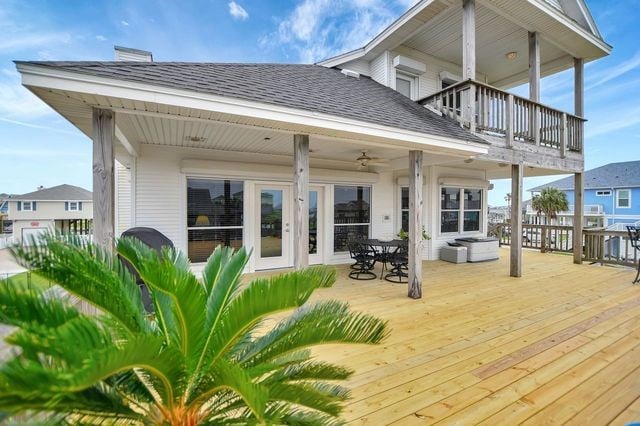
364	161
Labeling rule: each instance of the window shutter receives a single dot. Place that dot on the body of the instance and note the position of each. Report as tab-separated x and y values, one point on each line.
66	206
33	206
80	205
19	205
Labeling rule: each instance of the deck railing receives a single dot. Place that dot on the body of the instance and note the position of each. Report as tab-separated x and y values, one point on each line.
599	245
589	210
517	119
609	247
544	237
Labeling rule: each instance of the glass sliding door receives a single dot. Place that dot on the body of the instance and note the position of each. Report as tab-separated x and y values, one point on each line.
316	234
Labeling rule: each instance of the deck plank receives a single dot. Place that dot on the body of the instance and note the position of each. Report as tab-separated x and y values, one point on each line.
483	346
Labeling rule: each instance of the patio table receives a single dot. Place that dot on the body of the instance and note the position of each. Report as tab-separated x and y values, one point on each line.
385	250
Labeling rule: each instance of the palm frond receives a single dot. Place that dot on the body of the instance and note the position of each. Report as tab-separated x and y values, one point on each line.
264	297
320	323
169	274
323	397
309	371
90	273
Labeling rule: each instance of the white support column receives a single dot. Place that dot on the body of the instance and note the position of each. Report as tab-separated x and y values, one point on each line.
469	61
301	201
103	177
578	215
578	86
415	224
516	220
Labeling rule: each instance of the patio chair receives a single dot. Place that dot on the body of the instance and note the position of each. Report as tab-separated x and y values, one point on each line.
155	240
634	238
399	261
364	261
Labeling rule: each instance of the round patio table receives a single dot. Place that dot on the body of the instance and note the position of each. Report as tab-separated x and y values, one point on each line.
385	246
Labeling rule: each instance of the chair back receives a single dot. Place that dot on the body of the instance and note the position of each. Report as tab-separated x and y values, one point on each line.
634	236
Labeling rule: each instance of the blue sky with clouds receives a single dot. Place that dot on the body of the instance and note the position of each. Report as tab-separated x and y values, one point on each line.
37	147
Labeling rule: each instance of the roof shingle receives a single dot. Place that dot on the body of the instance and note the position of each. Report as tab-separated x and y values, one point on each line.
306	87
57	193
613	175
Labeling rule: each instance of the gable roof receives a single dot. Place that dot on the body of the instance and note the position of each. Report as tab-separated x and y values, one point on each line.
57	193
306	87
613	175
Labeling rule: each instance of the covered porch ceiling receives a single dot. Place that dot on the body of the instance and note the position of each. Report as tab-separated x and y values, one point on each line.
435	28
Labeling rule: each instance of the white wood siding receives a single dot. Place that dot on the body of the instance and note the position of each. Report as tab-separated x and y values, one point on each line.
123	198
160	193
50	210
380	67
359	65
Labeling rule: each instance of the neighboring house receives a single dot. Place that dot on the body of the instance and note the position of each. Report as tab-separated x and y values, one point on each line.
499	214
5	224
225	153
64	208
611	196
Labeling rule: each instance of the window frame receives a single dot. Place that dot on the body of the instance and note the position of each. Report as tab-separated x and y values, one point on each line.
400	209
461	209
71	209
603	193
213	227
334	224
628	198
413	83
25	204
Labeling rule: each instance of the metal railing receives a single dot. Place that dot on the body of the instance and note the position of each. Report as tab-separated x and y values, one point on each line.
517	119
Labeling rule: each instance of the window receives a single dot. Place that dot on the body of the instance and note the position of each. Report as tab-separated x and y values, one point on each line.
27	206
452	210
215	216
405	84
351	215
404	208
603	193
73	206
623	198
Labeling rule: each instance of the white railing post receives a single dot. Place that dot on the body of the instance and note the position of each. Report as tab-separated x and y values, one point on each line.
563	135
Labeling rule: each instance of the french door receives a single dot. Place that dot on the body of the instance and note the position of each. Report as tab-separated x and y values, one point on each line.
274	230
273	239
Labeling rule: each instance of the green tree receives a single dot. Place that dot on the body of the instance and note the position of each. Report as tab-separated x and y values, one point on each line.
207	356
550	202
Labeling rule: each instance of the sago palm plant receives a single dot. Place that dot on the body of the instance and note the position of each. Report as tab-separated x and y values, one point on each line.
210	353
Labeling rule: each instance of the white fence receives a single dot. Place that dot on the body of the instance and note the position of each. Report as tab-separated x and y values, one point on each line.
6	240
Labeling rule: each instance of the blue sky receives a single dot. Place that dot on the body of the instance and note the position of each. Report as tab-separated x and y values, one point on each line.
37	147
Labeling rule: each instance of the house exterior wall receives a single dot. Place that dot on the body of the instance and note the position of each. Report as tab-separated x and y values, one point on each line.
46	210
161	180
21	226
123	195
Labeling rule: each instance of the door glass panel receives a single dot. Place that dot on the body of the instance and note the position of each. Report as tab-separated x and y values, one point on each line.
271	223
313	222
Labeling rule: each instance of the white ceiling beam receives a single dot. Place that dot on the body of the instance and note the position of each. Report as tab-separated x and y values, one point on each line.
131	147
559	64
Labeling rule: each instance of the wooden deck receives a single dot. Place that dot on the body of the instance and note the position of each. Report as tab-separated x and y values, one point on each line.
559	345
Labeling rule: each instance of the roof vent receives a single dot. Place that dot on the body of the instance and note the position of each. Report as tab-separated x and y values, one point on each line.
350	73
135	55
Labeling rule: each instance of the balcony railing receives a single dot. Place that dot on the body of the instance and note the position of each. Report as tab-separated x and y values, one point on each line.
498	113
589	210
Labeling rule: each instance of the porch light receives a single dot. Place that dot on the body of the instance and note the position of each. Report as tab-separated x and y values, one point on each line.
511	55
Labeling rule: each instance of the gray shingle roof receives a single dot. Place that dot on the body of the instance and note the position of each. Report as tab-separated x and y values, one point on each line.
613	175
306	87
57	193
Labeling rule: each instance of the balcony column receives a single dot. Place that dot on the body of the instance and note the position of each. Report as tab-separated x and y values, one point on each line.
300	201
415	224
578	86
469	61
516	220
534	83
578	217
103	177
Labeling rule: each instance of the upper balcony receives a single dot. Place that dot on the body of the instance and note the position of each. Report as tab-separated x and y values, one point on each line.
509	119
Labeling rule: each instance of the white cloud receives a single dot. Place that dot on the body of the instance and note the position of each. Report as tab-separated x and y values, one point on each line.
237	11
100	37
124	23
23	41
607	74
17	101
317	29
621	118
